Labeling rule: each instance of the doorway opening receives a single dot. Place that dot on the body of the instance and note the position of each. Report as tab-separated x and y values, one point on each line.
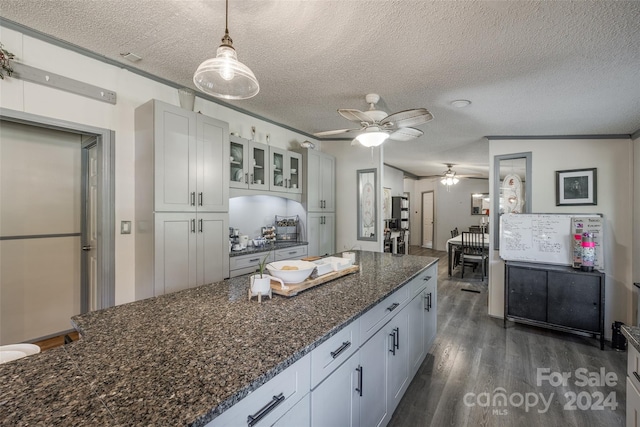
427	219
56	224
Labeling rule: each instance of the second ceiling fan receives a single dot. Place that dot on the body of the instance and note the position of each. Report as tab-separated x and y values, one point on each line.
376	126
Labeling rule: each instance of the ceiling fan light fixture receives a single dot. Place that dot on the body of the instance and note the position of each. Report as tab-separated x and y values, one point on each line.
224	76
449	178
372	139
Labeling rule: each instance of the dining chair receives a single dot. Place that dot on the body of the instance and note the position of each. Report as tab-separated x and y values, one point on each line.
401	242
472	251
388	244
475	229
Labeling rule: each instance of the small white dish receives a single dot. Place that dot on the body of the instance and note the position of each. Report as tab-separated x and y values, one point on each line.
26	348
10	355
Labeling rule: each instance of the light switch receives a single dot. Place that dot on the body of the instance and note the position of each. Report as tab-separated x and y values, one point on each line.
125	227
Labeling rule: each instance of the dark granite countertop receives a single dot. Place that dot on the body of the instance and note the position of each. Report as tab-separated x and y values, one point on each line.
268	247
633	335
183	358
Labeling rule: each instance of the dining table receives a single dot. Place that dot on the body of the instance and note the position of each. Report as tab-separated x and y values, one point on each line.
457	241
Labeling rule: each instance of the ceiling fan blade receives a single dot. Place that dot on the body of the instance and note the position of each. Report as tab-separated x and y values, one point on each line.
406	134
334	132
407	118
354	115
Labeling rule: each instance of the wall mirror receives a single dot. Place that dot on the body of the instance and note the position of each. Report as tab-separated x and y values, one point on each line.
366	197
511	188
480	203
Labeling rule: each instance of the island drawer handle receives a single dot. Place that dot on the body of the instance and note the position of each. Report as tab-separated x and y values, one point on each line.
635	374
393	306
345	345
359	388
426	278
264	411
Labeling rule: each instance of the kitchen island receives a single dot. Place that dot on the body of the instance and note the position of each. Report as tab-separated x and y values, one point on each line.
187	357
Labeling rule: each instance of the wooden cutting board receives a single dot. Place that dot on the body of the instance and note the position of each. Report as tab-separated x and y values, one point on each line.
295	288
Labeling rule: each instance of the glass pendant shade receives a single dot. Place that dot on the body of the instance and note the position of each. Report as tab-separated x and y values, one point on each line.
372	139
226	77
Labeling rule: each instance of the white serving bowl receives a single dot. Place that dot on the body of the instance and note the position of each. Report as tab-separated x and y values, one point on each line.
305	268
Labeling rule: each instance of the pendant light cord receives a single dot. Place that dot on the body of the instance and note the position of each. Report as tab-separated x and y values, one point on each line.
226	18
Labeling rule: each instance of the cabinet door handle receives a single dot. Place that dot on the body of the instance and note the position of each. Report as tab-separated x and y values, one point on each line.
427	305
345	345
359	388
393	342
396	338
251	179
264	411
193	198
193	225
246	178
254	260
393	306
200	225
292	253
635	374
200	199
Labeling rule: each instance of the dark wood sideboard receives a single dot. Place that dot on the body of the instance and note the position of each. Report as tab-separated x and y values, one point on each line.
555	297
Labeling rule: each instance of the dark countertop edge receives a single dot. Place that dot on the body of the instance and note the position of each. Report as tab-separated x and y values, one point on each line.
633	335
204	419
267	247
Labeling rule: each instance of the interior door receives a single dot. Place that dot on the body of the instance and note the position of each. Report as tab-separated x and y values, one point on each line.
427	219
40	231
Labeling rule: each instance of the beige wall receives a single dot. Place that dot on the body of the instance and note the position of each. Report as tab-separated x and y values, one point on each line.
349	159
614	160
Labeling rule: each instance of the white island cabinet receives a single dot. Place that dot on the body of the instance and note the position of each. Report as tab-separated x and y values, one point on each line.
633	387
357	377
182	199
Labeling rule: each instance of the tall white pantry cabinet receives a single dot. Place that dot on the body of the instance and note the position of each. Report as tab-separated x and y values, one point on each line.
182	199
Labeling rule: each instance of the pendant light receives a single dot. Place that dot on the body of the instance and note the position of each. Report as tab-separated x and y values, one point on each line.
224	76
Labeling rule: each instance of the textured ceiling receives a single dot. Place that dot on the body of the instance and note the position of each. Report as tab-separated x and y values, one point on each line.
529	68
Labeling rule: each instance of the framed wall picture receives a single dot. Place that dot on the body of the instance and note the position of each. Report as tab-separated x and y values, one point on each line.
576	187
367	214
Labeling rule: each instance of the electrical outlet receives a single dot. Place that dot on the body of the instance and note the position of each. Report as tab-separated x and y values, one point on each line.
125	227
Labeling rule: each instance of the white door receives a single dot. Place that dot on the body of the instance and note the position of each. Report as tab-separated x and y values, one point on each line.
427	219
40	228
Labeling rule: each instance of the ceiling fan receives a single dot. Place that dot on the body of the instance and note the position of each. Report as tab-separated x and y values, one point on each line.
376	126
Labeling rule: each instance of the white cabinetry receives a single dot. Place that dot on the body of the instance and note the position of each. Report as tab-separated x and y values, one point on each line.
373	362
249	164
182	199
318	198
321	231
320	184
633	385
286	167
188	250
336	401
357	377
245	264
272	401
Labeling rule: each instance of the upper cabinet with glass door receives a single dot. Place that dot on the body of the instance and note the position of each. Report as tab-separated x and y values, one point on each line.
249	164
286	171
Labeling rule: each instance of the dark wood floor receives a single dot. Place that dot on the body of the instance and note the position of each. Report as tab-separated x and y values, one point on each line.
474	361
